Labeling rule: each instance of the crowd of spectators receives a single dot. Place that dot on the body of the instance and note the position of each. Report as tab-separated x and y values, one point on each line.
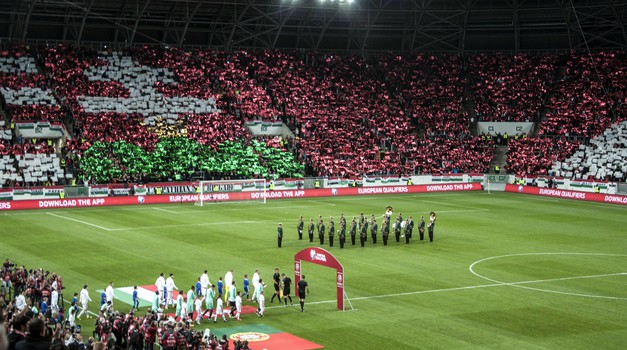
401	115
529	156
589	97
25	97
587	100
602	158
179	158
511	88
34	316
31	308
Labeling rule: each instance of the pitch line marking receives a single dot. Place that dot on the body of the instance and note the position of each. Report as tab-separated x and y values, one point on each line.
185	225
79	221
165	210
520	284
500	284
146	207
238	222
449	204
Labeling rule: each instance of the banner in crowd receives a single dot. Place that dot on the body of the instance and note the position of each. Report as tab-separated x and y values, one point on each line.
6	195
558	181
587	184
266	128
553	192
336	181
294	183
511	128
475	177
233	196
35	193
41	129
378	180
140	190
98	191
448	178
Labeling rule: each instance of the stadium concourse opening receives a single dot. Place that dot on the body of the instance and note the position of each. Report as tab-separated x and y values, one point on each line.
322	257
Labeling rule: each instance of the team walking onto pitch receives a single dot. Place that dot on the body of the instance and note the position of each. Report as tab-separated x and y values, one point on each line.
362	226
224	300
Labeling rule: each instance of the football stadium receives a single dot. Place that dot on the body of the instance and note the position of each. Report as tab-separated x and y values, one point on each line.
313	174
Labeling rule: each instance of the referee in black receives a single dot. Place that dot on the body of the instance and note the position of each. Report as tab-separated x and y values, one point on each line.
303	287
276	278
287	289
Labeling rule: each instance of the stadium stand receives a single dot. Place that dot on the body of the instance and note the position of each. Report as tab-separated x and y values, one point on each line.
27	98
580	107
511	88
402	115
529	156
604	158
591	88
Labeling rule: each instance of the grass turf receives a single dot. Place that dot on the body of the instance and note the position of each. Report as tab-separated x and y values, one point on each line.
547	273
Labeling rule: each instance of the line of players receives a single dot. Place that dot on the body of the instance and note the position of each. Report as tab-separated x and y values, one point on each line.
213	297
167	294
402	228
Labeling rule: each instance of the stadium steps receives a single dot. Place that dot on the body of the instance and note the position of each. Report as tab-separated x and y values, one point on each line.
3	115
469	107
499	158
68	119
559	75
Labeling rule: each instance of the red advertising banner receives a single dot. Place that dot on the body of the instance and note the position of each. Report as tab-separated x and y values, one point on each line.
231	196
554	192
322	257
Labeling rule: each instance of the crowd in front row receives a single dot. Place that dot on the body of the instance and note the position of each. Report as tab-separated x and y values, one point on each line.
401	228
33	317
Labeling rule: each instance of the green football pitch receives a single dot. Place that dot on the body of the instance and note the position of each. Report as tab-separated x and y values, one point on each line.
505	271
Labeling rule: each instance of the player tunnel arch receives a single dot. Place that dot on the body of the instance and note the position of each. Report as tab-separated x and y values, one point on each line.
322	257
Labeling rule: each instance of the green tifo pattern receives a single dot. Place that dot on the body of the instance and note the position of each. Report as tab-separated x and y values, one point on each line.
179	156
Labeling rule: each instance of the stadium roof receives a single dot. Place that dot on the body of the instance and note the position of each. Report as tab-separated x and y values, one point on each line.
352	25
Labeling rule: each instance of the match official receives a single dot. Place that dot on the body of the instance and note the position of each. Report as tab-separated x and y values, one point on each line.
303	287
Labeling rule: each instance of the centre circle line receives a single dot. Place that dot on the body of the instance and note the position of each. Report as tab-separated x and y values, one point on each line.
520	284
